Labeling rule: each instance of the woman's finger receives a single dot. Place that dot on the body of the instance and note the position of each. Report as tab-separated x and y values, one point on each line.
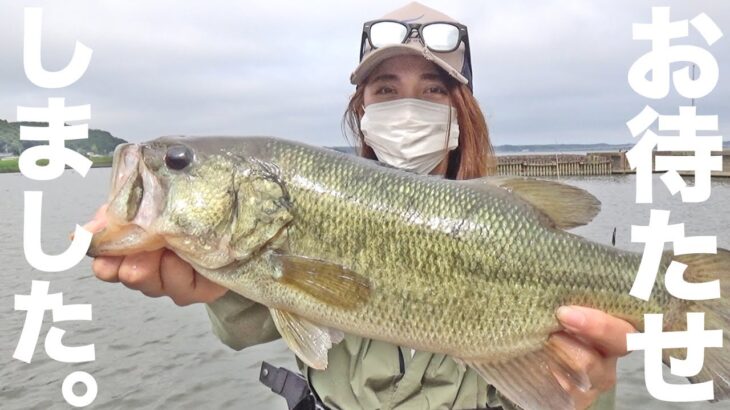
98	221
106	268
583	359
601	370
184	285
178	280
597	329
207	291
142	271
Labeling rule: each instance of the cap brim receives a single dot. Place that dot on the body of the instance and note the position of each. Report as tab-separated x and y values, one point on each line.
375	57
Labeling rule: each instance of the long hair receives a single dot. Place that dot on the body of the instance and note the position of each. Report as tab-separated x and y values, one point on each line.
473	158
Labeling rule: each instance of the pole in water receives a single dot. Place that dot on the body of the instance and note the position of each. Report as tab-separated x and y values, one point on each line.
613	237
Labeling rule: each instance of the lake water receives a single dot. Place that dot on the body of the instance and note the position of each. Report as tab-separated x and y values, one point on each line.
152	354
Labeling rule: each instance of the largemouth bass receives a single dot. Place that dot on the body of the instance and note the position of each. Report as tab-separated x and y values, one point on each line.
333	243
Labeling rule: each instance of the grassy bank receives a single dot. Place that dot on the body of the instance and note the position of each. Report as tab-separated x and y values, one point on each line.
11	164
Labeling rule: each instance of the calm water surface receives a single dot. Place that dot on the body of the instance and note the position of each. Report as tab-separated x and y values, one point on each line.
152	354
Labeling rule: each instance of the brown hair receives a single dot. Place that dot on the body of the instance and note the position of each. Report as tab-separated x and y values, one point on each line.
473	158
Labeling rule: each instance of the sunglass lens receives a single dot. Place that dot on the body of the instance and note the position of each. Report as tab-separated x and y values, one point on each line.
387	32
441	36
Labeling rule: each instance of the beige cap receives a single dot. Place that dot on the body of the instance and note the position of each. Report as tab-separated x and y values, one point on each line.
452	62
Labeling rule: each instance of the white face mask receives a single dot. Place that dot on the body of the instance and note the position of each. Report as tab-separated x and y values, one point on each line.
409	133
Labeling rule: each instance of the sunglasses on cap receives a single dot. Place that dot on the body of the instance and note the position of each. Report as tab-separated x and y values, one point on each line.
438	36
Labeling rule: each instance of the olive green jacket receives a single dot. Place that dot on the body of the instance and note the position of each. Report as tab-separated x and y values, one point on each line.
369	374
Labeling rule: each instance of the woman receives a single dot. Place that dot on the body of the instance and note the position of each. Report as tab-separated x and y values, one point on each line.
413	109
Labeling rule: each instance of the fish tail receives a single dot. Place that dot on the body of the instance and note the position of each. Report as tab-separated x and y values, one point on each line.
707	268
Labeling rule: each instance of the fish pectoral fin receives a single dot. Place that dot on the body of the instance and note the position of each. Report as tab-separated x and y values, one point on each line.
530	380
309	341
564	205
328	282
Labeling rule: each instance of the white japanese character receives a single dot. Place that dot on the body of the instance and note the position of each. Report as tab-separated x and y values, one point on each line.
687	124
655	236
36	305
56	133
85	399
32	56
657	62
695	340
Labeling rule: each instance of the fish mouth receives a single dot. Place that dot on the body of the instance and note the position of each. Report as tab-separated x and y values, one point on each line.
134	203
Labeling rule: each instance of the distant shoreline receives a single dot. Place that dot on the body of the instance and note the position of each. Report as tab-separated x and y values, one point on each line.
10	165
536	149
559	148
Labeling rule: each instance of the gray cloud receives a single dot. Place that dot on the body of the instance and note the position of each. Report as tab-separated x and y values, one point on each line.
544	71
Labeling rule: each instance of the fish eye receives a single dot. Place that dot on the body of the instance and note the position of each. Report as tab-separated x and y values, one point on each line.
178	157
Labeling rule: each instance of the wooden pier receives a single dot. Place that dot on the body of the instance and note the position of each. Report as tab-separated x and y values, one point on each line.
592	163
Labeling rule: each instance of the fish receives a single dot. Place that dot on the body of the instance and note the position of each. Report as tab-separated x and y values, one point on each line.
332	244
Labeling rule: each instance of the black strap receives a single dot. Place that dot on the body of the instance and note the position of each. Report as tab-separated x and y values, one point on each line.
292	386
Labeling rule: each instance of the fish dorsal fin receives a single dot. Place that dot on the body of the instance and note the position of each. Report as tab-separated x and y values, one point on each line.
328	282
564	205
309	341
529	380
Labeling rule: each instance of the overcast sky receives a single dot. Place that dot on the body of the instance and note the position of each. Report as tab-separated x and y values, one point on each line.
545	71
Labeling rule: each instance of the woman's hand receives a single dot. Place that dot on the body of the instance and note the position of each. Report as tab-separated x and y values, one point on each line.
594	340
157	273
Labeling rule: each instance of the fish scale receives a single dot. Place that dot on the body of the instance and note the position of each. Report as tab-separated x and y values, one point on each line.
425	253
